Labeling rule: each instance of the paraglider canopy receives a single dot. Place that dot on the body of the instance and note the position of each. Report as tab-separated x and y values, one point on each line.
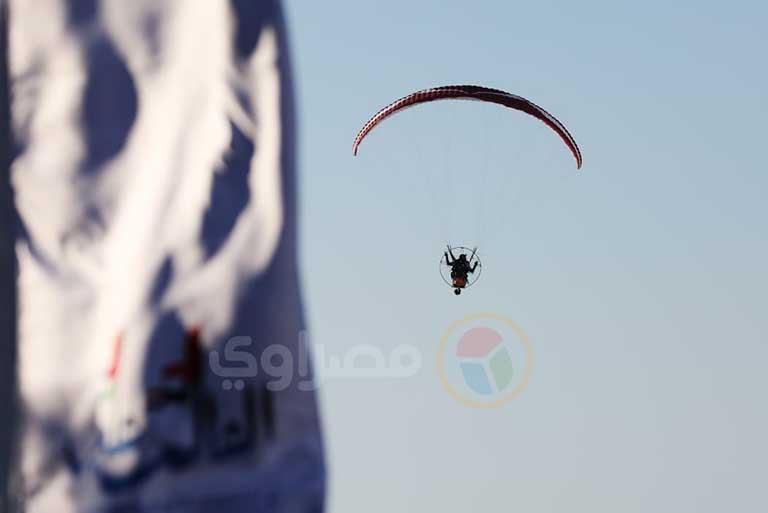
471	92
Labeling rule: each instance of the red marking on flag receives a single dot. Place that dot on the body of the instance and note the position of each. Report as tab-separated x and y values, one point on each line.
116	354
189	368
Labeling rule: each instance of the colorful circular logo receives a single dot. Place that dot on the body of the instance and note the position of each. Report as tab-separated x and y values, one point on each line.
484	360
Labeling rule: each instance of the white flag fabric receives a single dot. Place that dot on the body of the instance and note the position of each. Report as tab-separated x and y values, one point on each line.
161	356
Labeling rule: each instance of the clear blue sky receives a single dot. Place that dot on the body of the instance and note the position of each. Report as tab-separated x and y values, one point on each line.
641	281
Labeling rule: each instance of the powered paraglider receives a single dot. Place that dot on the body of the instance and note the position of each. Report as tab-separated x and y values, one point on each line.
460	273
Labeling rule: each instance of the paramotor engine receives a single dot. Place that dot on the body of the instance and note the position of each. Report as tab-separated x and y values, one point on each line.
471	278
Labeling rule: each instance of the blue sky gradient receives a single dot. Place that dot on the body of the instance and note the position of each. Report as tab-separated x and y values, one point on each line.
641	280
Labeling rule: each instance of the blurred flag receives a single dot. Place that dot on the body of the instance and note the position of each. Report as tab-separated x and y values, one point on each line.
161	356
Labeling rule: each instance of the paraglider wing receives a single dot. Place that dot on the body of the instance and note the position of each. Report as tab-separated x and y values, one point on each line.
471	92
